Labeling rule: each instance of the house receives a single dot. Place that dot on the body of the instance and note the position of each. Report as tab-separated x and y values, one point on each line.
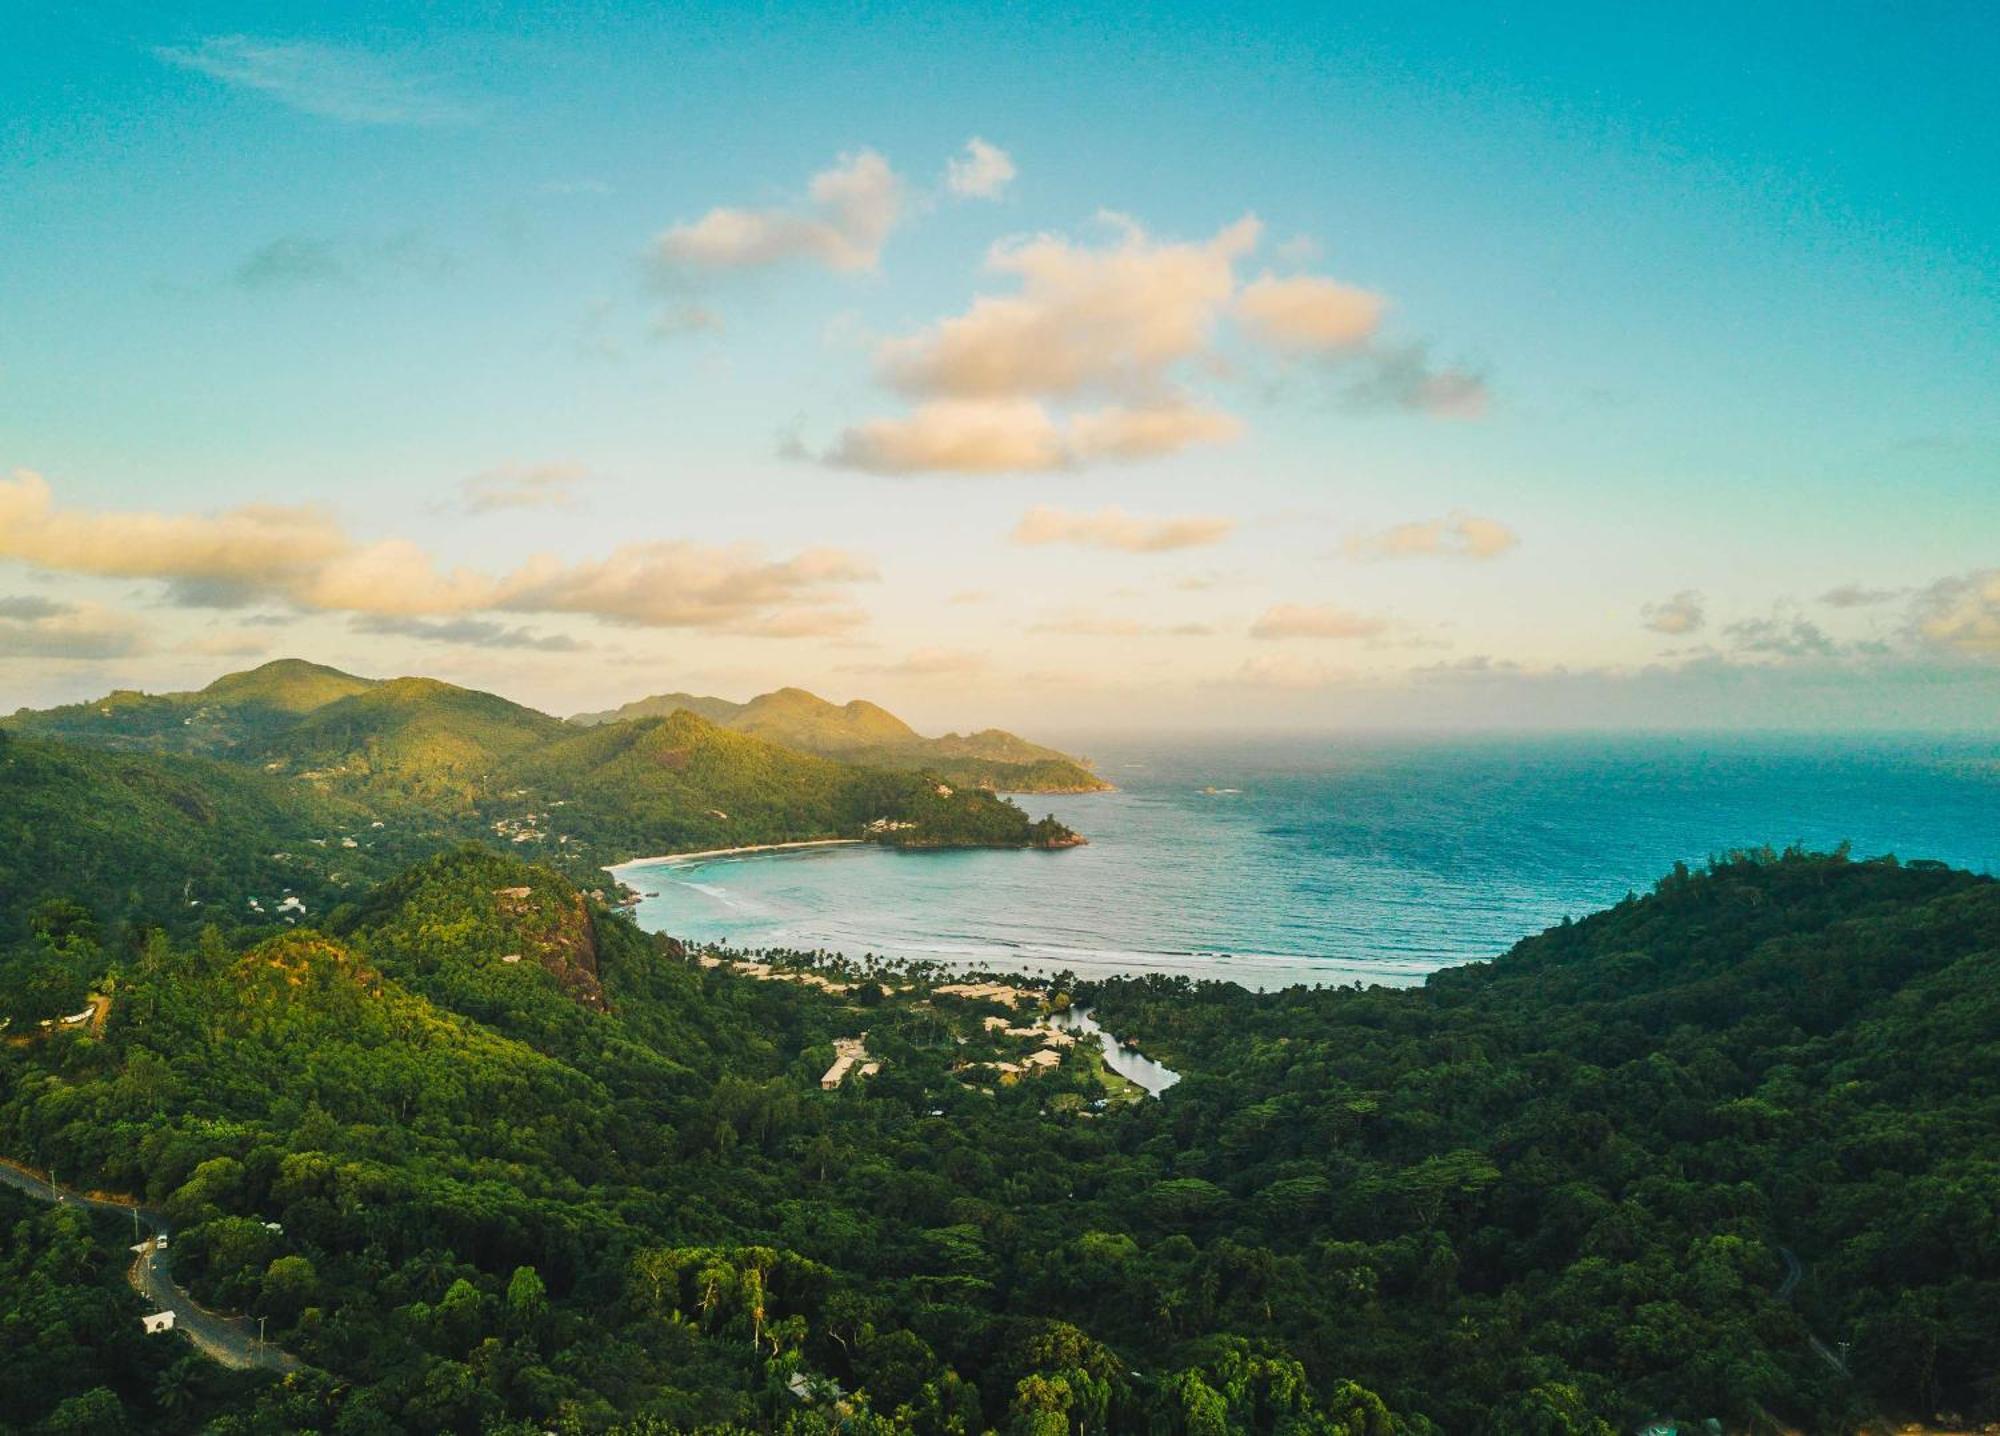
848	1053
158	1322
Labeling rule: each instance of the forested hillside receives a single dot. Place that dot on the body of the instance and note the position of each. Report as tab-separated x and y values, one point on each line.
861	732
294	785
531	1169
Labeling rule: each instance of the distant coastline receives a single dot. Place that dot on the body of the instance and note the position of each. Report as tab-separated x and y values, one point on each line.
733	852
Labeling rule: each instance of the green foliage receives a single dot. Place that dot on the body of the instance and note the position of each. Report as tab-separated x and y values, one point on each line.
860	732
1550	1194
177	841
295	781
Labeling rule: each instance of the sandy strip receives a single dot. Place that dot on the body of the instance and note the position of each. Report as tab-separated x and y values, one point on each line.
733	852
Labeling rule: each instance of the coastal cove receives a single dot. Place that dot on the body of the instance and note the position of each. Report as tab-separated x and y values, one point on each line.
1337	861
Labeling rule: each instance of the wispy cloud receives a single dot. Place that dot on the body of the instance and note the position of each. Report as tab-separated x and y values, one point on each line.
37	628
467	632
1682	614
1854	595
1459	535
1404	377
1113	528
522	486
336	82
290	261
31	607
1084	623
1299	620
981	171
1780	637
296	261
849	212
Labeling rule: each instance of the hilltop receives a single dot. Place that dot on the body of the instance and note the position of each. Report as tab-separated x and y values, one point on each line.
236	711
863	732
299	782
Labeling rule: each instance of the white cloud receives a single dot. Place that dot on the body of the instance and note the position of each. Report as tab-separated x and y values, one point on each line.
1113	528
1147	431
1962	615
31	629
255	545
1002	436
1309	314
850	211
983	171
1460	535
977	436
1131	324
1111	318
1298	620
1682	614
301	557
673	584
333	81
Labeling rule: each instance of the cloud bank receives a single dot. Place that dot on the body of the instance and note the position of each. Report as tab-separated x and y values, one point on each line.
302	557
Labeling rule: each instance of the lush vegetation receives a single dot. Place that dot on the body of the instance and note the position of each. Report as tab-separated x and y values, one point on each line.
861	732
532	1169
295	785
175	842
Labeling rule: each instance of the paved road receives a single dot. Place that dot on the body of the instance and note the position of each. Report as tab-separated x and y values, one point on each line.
1794	1269
229	1340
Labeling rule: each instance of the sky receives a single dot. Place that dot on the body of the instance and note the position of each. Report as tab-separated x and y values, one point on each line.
1085	366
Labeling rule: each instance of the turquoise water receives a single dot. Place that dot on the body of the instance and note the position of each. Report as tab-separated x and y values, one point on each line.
1332	860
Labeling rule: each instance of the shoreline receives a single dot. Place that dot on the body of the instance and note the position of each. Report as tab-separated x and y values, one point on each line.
734	852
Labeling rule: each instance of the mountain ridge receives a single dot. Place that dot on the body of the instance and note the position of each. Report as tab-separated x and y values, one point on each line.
861	731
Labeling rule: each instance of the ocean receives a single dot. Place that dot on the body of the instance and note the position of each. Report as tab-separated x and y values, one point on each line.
1275	861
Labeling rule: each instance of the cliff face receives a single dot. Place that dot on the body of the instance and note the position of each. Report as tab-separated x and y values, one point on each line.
555	928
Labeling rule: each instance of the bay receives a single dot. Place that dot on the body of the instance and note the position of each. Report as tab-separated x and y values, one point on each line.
1270	861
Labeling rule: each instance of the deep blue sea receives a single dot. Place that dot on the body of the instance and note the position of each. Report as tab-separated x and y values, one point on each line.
1273	861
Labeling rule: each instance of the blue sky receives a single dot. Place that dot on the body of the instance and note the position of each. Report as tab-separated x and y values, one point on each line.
1350	365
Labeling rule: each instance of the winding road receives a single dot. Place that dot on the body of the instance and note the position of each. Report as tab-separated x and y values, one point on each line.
230	1341
1794	1269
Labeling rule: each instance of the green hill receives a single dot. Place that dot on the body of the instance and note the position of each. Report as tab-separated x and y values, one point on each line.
412	739
345	774
862	732
681	783
173	841
487	1158
236	713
